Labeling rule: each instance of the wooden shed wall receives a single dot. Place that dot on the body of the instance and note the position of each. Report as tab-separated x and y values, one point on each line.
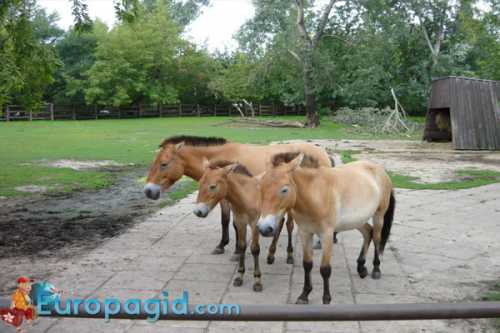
474	113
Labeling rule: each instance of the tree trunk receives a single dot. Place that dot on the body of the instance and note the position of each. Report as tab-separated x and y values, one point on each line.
312	117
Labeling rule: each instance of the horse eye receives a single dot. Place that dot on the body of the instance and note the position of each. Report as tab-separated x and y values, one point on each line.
284	190
212	187
164	165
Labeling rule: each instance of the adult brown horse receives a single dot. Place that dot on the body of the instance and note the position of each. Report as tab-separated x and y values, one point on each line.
185	155
323	200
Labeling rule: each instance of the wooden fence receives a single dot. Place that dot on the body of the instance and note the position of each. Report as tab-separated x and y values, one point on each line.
79	112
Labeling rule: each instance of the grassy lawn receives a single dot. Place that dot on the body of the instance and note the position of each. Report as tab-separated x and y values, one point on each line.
27	146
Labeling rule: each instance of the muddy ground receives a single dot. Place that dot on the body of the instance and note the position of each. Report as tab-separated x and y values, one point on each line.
41	229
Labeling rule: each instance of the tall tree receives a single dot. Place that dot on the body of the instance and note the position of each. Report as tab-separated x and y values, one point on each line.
309	45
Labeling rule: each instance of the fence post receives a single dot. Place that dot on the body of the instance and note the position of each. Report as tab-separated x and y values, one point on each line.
73	112
180	110
51	108
260	109
7	113
31	115
198	109
95	111
215	110
160	109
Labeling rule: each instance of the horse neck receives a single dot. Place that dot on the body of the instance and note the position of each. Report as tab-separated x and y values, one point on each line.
243	193
194	156
304	188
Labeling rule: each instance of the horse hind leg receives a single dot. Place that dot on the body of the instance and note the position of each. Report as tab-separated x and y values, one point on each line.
378	221
272	247
366	231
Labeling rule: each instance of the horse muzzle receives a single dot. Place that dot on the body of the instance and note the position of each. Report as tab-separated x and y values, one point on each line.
201	210
152	191
267	225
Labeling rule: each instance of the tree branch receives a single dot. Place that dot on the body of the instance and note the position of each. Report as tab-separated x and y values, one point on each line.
295	55
300	21
323	21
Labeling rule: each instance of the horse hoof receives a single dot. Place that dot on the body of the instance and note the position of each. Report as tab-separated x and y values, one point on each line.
376	275
218	250
363	272
317	245
235	257
327	299
289	260
257	287
302	301
237	282
270	260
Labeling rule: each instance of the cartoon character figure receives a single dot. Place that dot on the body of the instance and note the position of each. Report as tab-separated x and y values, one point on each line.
21	306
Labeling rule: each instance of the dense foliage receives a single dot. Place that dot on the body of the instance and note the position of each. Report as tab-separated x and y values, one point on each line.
366	48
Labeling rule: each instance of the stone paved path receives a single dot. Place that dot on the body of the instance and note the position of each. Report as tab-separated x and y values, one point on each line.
444	247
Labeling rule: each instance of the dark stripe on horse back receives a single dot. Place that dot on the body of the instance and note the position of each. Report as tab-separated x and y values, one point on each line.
191	140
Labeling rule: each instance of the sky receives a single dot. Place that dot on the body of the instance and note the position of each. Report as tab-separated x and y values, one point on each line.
214	28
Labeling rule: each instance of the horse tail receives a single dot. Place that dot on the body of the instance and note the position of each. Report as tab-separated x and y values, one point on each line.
388	218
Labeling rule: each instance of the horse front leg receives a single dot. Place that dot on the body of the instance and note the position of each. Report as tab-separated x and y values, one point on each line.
289	249
242	245
272	247
255	248
326	268
306	239
225	219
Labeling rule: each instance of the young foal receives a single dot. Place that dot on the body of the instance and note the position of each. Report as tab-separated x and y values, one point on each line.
233	182
324	200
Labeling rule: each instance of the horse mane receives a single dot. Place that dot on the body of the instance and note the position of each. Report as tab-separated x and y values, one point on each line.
191	140
239	169
307	162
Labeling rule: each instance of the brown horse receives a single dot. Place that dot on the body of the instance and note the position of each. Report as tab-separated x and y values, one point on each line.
184	155
224	180
323	200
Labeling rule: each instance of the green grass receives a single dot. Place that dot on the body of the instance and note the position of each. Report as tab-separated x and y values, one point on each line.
470	178
24	144
185	188
347	155
494	296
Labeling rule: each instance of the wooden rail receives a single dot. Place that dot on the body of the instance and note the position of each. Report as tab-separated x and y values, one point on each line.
83	112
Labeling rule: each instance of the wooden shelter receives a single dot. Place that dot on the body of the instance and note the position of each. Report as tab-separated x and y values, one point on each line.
465	111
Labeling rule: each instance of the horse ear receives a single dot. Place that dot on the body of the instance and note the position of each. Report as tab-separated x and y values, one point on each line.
259	177
230	168
179	146
296	162
206	163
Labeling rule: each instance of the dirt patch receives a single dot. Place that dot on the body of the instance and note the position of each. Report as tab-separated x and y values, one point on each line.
83	165
32	189
428	162
39	230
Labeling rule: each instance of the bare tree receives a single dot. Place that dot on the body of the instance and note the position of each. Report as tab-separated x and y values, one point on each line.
309	45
